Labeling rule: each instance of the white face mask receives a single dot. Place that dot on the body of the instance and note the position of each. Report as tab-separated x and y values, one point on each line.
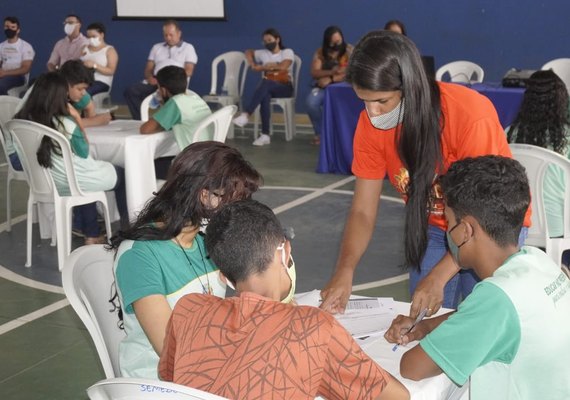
389	120
95	41
69	28
291	272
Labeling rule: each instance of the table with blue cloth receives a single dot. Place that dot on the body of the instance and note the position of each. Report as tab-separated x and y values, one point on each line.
341	109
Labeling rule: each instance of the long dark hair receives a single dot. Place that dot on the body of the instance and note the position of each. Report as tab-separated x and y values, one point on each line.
388	61
543	116
327	36
273	32
46	105
202	165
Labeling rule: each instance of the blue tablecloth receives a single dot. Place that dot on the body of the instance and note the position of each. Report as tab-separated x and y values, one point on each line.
341	109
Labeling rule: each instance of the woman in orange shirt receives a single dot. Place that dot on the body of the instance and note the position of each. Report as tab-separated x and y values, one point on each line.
412	130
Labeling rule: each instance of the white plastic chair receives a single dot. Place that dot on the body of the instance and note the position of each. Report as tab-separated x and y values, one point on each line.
102	100
145	105
18	90
221	119
461	71
233	82
140	389
287	104
27	137
8	105
536	161
561	67
88	280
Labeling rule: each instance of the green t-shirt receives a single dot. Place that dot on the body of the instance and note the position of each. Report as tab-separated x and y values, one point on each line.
511	333
144	268
82	103
182	113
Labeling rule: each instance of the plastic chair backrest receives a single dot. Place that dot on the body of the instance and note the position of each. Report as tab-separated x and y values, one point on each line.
561	67
296	74
234	76
87	282
8	106
145	106
140	389
461	71
28	136
221	120
536	160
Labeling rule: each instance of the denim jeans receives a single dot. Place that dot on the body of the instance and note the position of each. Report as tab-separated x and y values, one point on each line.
315	108
98	87
9	82
461	285
265	91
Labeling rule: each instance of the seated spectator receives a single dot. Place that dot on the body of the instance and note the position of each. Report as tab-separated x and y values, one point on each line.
511	333
79	78
92	175
543	121
71	46
181	111
162	256
329	66
395	26
275	62
258	345
101	58
16	56
173	51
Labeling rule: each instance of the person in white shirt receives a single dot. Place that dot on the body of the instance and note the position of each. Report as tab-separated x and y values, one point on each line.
101	58
275	63
70	47
173	51
16	56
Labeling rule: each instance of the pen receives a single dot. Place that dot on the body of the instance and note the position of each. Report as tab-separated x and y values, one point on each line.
417	321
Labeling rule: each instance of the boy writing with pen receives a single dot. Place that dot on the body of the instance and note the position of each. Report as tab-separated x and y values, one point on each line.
511	333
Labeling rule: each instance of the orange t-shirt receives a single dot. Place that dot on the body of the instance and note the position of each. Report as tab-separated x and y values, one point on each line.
250	347
471	129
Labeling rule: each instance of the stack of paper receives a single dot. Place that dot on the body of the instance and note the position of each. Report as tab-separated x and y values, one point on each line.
364	316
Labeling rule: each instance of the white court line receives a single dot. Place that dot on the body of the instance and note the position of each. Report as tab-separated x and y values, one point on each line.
311	196
3	165
15	220
22	280
8	326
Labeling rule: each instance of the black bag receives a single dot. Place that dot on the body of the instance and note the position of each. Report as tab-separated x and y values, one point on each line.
517	77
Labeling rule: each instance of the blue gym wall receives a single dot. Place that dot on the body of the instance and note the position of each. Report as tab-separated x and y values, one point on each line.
497	34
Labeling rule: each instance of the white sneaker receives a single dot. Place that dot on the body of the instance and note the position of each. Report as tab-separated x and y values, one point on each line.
241	121
262	140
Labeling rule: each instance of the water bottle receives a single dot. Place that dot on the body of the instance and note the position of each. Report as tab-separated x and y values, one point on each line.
155	100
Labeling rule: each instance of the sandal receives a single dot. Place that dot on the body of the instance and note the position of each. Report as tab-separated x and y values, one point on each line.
315	141
96	240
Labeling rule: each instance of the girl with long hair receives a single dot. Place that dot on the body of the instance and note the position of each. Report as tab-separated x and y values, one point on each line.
412	129
543	121
328	66
48	105
162	256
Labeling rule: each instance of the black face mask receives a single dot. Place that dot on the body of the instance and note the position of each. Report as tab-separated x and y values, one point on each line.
10	33
271	46
336	47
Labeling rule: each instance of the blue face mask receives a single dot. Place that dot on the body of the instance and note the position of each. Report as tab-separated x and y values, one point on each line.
453	248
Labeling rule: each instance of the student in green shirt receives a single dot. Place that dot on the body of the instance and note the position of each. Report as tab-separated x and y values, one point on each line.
510	335
181	112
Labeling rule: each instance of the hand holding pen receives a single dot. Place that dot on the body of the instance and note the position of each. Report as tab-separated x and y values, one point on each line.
395	328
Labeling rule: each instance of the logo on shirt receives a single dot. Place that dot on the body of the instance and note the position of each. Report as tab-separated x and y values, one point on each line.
435	204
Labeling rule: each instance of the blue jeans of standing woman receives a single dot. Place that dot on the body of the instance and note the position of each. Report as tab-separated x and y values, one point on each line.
265	91
315	108
462	283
